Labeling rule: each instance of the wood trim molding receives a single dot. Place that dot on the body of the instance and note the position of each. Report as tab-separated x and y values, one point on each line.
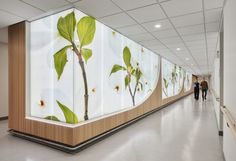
66	135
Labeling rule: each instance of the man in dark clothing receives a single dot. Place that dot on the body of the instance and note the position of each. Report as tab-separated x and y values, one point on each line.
196	90
204	86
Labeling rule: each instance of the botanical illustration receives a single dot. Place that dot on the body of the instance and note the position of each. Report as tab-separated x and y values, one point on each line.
131	72
187	81
180	76
174	76
85	30
165	88
172	79
70	116
80	69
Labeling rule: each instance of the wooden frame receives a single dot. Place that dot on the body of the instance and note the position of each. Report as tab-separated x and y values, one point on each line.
70	136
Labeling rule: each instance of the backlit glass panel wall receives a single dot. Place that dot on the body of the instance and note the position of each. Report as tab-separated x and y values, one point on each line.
80	69
187	81
172	79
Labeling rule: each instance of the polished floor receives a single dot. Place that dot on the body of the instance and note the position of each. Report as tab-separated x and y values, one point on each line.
184	131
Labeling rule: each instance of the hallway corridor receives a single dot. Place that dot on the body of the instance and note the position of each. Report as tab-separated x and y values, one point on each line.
184	131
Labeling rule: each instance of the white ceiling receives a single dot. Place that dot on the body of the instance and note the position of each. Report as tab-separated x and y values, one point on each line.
191	25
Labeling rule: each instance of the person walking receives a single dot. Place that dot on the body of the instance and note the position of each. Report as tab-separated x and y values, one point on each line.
204	86
196	89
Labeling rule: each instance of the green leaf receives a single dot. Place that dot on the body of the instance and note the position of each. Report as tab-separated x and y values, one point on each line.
86	29
138	73
54	118
127	80
116	68
130	69
69	115
127	56
66	26
86	53
165	83
60	60
133	71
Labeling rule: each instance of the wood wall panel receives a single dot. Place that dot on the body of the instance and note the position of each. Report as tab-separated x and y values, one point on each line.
57	133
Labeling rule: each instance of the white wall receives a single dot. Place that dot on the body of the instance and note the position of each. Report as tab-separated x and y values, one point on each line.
215	85
230	56
229	144
229	74
3	79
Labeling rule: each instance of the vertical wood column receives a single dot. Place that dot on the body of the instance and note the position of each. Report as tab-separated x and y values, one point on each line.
16	51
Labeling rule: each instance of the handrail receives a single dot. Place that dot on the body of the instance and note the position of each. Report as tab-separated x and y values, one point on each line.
230	121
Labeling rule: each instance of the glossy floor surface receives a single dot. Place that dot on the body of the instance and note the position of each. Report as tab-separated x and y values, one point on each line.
184	131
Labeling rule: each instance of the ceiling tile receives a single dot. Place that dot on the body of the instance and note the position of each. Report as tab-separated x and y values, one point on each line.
196	43
197	48
183	55
7	19
196	29
161	1
187	20
150	43
211	41
177	45
181	7
20	9
170	57
158	48
213	15
198	53
131	30
118	20
200	57
165	33
150	26
46	5
133	3
209	4
147	14
194	37
212	35
164	52
211	48
73	1
99	8
212	27
141	37
171	40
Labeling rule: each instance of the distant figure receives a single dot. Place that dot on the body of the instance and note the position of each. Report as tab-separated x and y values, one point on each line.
196	89
204	86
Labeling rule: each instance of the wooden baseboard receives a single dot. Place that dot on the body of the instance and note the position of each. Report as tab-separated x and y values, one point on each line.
3	118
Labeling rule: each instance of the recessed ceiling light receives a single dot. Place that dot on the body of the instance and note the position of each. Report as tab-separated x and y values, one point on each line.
158	26
178	49
192	64
187	59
